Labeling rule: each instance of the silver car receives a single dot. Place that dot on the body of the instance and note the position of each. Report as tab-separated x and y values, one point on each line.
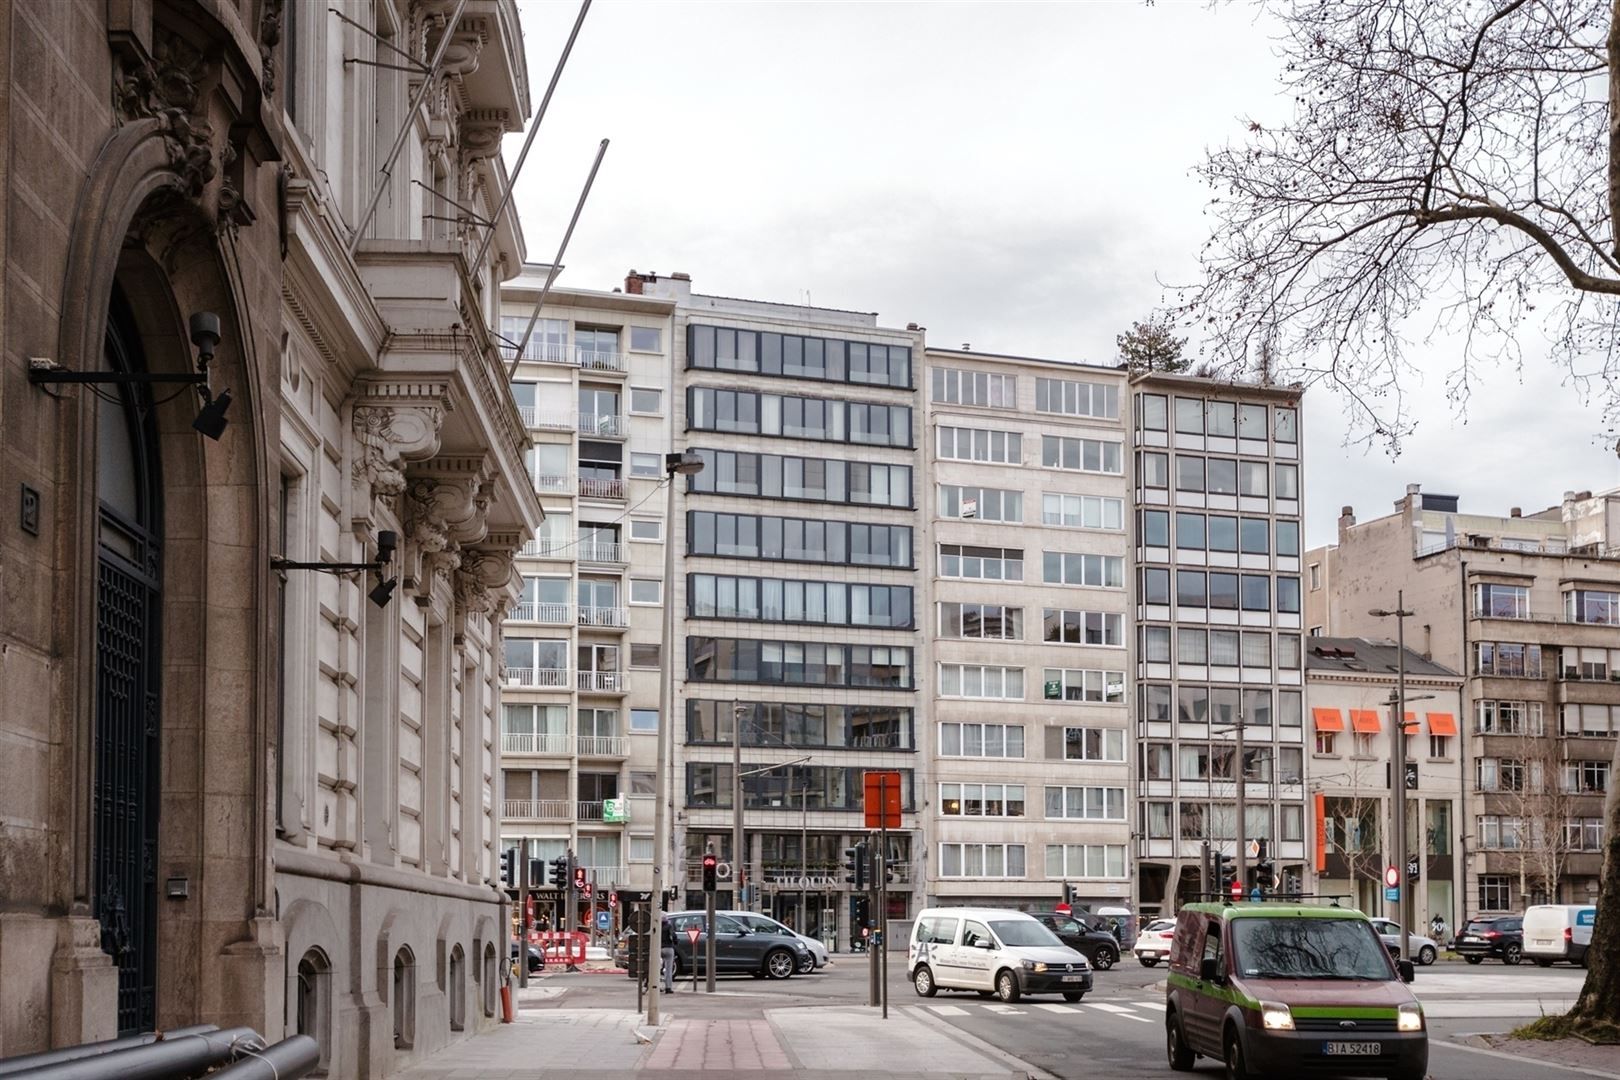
753	920
1424	949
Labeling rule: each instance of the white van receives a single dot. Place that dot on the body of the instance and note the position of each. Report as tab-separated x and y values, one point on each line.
1554	932
992	951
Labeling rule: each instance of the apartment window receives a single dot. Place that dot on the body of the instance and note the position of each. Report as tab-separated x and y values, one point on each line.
1191	588
982	800
1086	803
1287	486
646	529
985	504
790	356
1083	511
1158	761
1083	627
1255	536
1083	455
981	681
1154	411
1190	532
1290	708
1223	648
1439	746
1156	703
1075	397
979	444
1511	659
1075	684
643	719
1495	892
1156	586
1316	575
1256	592
1509	717
646	465
953	386
1098	571
987	621
1287	425
1220	419
645	654
981	860
1220	476
1154	469
1325	743
1065	861
981	740
797	663
798	540
1192	646
1288	539
1252	422
874	424
1288	652
1592	606
1502	601
1256	649
1093	744
1155	528
773	476
1189	473
1156	644
646	591
1158	820
981	563
645	399
1586	777
646	339
1288	595
1363	745
1252	478
1500	774
1189	416
1223	533
725	596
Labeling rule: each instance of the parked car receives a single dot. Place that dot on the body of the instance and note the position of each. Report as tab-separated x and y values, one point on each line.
1554	932
537	960
819	957
1500	936
1098	946
992	951
737	949
1423	949
1290	990
1153	944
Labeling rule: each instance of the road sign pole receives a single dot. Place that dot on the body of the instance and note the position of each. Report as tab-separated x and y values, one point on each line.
883	894
522	863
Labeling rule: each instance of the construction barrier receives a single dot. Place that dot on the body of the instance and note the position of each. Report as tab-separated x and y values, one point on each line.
561	947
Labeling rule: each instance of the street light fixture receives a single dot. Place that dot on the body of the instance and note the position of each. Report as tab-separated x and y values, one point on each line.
1397	772
686	463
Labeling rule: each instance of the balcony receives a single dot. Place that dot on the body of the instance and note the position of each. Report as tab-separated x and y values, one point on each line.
528	413
547	678
536	612
603	746
590	811
545	742
606	876
553	420
604	425
601	489
596	551
591	360
548	547
601	682
615	617
554	485
537	809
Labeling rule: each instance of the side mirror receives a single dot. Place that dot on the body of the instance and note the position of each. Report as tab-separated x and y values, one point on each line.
1408	972
1209	969
982	945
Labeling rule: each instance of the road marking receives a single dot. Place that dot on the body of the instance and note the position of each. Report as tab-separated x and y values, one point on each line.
1117	1011
1005	1010
1149	1005
1052	1006
947	1010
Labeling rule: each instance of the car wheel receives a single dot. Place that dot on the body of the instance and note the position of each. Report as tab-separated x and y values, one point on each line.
807	964
1473	959
1148	961
1175	1048
1073	995
1426	955
1104	959
1007	986
1236	1067
922	980
1510	955
779	964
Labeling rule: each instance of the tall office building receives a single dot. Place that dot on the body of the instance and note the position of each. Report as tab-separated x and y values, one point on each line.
1027	617
1218	498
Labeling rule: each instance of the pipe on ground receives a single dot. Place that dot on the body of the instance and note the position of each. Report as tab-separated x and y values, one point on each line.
23	1062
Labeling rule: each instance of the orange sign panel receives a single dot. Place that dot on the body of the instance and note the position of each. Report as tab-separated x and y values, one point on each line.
882	800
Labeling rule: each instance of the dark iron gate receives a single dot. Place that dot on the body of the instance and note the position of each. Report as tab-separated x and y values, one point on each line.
125	793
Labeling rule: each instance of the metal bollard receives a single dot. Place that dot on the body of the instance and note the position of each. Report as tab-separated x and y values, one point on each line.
286	1060
13	1065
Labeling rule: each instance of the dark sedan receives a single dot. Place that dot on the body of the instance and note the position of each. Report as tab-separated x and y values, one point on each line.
1098	946
737	949
1501	936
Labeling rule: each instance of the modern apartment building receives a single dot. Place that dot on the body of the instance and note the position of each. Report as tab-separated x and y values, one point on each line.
1349	684
1027	557
1527	607
579	705
1217	496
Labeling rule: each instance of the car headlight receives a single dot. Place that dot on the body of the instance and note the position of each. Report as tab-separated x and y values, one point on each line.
1409	1017
1276	1016
1034	965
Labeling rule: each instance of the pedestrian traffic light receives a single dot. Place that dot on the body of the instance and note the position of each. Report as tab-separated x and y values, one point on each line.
855	864
559	871
509	868
710	863
1224	869
582	879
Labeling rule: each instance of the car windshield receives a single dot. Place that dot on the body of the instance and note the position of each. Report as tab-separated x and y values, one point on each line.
1162	926
1308	948
1022	932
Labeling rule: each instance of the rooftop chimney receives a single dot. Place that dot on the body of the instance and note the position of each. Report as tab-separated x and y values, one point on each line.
680	276
1516	512
911	326
634	281
1347	518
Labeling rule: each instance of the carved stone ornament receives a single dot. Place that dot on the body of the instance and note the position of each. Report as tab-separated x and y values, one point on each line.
169	89
482	580
386	436
445	507
269	38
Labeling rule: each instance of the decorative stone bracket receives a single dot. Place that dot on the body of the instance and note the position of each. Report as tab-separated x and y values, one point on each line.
446	506
393	425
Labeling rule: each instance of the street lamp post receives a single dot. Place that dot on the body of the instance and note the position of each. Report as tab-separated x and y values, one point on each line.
1397	779
682	464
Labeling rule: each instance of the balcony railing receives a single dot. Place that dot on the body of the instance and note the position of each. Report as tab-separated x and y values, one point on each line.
608	875
602	682
537	612
602	746
551	352
604	616
544	742
590	811
600	552
591	360
528	413
537	809
601	489
610	425
553	419
549	547
547	677
554	485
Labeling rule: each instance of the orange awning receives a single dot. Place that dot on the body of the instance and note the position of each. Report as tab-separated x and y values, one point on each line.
1409	726
1442	723
1364	721
1327	719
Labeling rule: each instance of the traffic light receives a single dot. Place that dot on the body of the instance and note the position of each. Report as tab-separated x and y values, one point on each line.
1225	871
855	864
888	869
582	880
509	868
709	871
559	871
1068	894
1265	875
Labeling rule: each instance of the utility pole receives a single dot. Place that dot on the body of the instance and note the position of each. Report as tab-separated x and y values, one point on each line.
1240	856
1397	772
738	862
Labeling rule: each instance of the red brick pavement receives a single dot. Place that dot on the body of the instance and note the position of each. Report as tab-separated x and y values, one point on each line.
718	1045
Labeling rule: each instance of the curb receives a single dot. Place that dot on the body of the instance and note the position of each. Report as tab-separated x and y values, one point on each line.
1503	1055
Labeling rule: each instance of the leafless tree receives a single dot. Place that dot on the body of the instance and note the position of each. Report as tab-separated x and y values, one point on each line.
1543	806
1450	173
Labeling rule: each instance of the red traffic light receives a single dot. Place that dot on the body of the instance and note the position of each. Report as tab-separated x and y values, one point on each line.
581	879
1237	890
709	862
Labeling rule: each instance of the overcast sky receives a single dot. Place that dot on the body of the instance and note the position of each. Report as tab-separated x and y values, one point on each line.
1015	176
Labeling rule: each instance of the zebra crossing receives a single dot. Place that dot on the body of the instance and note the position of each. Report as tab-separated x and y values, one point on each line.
1145	1012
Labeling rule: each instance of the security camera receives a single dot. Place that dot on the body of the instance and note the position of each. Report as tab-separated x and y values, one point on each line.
387	542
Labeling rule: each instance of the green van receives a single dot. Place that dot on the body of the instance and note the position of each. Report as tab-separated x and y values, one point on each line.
1290	990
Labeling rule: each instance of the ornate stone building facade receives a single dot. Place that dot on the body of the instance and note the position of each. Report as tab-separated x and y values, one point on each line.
231	794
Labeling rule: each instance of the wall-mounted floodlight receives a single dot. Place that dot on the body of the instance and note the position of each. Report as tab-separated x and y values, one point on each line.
382	592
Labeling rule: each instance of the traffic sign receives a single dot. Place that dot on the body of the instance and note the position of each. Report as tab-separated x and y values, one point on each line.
882	799
1254	849
723	871
1414	867
1237	890
1392	877
1392	893
693	933
604	920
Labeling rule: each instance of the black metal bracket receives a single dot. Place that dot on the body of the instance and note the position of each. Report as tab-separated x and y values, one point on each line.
325	567
39	375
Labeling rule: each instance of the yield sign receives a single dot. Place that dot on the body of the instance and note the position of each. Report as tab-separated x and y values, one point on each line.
692	934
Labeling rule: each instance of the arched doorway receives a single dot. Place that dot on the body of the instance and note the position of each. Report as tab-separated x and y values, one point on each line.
124	795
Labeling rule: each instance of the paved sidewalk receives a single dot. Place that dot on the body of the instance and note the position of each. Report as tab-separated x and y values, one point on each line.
1573	1053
